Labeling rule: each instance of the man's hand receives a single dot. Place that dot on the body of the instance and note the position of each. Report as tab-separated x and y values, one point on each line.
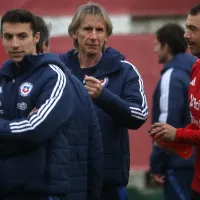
162	132
158	178
93	86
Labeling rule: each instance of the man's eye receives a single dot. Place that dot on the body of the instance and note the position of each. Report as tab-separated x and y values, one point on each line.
100	29
8	37
88	28
22	36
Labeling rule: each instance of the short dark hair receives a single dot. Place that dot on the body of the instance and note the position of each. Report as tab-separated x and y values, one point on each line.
44	30
20	16
195	10
172	35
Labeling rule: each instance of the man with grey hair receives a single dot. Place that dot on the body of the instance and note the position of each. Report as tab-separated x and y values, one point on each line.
114	85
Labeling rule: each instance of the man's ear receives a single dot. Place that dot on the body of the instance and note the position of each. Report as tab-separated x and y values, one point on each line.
166	47
36	37
74	37
45	47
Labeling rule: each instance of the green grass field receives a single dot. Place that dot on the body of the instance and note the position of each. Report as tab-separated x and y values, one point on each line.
145	194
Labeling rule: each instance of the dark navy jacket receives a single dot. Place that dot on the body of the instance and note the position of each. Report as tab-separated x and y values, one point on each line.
121	105
85	144
37	103
170	105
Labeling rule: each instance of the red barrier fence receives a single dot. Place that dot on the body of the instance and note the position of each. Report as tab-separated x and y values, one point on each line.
132	7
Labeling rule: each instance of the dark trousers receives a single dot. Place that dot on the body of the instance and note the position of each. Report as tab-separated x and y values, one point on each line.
177	184
195	196
114	193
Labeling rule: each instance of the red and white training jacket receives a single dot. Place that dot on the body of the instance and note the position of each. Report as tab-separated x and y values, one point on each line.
191	133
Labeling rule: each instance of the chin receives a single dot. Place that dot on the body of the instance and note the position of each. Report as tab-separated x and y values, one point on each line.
160	62
92	53
195	53
16	60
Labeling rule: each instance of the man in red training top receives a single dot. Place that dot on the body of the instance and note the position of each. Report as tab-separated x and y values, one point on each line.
190	135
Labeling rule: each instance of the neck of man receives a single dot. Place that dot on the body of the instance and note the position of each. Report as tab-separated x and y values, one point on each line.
197	55
87	60
168	58
18	64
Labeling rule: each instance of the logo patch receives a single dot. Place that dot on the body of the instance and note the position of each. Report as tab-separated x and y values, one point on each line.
104	82
25	89
22	106
193	82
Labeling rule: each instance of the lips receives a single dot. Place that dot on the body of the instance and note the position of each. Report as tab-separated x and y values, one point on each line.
190	46
91	45
16	53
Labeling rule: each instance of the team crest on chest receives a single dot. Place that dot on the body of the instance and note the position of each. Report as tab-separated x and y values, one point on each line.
25	89
104	82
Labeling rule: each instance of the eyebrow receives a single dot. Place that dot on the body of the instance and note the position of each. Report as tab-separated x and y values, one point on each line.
17	33
190	26
21	33
88	25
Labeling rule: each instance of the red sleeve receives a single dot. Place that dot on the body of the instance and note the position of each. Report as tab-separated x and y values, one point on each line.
188	135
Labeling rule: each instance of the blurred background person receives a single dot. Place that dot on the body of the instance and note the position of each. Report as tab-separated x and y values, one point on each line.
190	134
170	105
84	137
43	46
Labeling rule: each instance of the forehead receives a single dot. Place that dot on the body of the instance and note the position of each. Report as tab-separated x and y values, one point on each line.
193	20
15	28
92	20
